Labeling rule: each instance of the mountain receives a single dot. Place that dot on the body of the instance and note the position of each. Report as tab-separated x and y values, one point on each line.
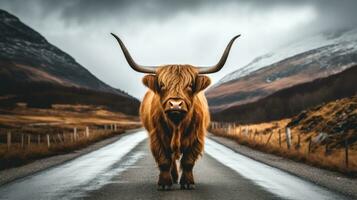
37	60
30	67
311	58
290	101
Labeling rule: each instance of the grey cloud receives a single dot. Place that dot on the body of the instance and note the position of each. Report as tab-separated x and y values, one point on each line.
332	13
87	10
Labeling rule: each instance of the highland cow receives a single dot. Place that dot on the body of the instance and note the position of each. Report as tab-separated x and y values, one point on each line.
175	113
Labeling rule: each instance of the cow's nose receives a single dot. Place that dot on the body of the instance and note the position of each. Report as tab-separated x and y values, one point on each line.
175	104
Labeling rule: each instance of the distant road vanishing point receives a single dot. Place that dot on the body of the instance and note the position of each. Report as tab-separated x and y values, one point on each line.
125	169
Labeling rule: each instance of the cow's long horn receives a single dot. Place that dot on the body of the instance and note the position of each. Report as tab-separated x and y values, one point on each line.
222	61
131	62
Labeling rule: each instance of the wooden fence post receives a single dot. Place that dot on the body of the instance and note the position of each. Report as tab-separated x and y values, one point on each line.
48	141
309	147
8	140
288	137
279	137
22	140
64	139
75	134
28	140
87	132
326	147
269	137
59	138
346	152
298	144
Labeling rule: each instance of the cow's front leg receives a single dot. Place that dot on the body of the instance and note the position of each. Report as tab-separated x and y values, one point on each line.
163	159
190	155
165	179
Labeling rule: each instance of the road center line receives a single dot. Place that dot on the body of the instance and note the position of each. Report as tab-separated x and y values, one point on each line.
271	179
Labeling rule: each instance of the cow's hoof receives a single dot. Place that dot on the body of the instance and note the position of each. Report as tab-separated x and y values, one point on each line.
164	187
187	186
165	181
175	181
186	181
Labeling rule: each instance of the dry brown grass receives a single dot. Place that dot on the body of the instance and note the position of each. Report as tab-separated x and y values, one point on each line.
324	128
62	115
58	123
258	135
18	155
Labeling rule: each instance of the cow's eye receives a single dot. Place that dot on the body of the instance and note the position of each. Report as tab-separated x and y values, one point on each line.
162	86
189	87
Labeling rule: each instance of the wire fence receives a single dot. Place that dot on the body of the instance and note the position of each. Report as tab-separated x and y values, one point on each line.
284	138
19	139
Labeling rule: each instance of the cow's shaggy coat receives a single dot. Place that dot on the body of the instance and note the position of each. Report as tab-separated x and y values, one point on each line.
168	140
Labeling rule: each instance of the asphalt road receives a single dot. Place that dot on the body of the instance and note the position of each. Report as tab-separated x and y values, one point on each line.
126	170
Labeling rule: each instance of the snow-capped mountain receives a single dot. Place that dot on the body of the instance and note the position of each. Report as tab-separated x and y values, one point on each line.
344	39
305	60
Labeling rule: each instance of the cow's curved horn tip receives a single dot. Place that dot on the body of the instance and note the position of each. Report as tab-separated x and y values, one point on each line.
114	35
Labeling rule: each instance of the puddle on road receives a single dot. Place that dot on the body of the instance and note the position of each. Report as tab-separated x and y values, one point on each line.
271	179
74	178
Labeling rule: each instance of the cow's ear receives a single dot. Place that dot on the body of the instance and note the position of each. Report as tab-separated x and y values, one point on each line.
150	81
202	82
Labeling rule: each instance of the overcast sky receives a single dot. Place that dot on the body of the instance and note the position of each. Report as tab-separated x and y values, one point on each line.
183	31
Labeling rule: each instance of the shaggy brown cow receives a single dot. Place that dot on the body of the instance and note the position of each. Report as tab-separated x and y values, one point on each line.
175	113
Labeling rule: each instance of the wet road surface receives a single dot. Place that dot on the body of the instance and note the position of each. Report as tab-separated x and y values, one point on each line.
126	170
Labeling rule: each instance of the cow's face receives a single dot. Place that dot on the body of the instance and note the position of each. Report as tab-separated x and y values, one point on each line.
177	86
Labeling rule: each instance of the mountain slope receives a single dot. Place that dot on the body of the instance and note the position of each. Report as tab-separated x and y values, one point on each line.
304	61
290	101
25	51
35	72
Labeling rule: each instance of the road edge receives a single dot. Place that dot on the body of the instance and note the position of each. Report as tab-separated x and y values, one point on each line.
331	180
9	175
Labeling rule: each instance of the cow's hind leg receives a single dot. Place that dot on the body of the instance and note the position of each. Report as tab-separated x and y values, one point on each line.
174	172
163	159
188	160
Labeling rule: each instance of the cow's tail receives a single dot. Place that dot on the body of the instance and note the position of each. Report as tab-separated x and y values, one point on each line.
175	144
